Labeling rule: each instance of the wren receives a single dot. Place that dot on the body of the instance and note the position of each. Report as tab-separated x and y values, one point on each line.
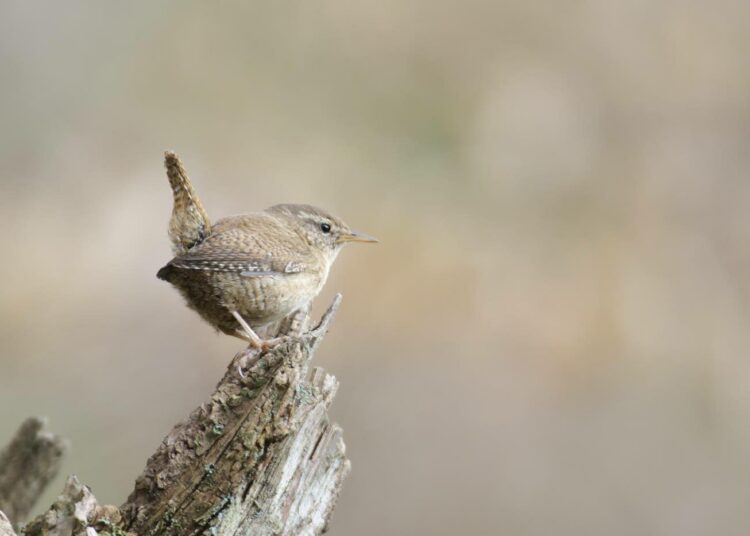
243	273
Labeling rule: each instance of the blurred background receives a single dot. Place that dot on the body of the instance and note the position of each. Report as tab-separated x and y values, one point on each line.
552	336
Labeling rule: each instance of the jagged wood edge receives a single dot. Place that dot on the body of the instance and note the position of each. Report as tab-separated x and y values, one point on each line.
76	512
5	527
259	457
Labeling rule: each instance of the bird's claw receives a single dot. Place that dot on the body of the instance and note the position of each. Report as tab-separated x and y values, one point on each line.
268	344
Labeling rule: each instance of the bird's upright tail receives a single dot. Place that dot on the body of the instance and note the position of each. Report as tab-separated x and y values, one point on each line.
189	224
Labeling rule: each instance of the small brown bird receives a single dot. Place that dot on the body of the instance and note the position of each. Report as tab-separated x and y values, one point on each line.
249	271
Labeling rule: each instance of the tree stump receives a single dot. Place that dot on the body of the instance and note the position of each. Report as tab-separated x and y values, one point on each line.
259	457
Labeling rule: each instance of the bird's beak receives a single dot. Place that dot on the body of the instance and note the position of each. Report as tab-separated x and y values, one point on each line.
356	236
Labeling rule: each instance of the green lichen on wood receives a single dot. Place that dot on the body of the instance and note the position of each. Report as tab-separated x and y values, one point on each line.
217	429
304	393
105	527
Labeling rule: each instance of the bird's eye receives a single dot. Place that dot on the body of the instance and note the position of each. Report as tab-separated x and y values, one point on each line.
325	227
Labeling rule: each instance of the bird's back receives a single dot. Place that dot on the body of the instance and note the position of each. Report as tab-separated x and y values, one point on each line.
257	243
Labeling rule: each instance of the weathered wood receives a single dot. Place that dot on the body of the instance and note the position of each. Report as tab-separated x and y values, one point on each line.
76	512
29	462
5	527
258	458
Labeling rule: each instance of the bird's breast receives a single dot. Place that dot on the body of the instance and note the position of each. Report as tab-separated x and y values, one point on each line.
269	298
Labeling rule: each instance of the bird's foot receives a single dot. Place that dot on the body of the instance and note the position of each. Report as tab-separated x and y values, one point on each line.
254	351
252	338
247	332
263	345
268	344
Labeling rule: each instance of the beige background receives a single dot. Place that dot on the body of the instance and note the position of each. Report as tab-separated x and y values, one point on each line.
550	339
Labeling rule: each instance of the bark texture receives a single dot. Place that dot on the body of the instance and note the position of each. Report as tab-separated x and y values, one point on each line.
27	464
76	512
258	458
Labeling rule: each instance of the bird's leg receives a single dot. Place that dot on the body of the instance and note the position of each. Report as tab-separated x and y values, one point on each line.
250	336
247	332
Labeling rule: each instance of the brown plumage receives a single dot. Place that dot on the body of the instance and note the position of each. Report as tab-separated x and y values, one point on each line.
248	271
189	224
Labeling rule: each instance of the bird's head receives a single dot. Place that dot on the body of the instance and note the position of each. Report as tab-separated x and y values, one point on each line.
322	230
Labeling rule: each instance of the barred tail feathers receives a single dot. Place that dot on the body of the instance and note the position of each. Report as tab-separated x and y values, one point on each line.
189	223
165	272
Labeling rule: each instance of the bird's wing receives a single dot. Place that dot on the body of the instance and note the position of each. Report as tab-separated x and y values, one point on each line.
236	250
